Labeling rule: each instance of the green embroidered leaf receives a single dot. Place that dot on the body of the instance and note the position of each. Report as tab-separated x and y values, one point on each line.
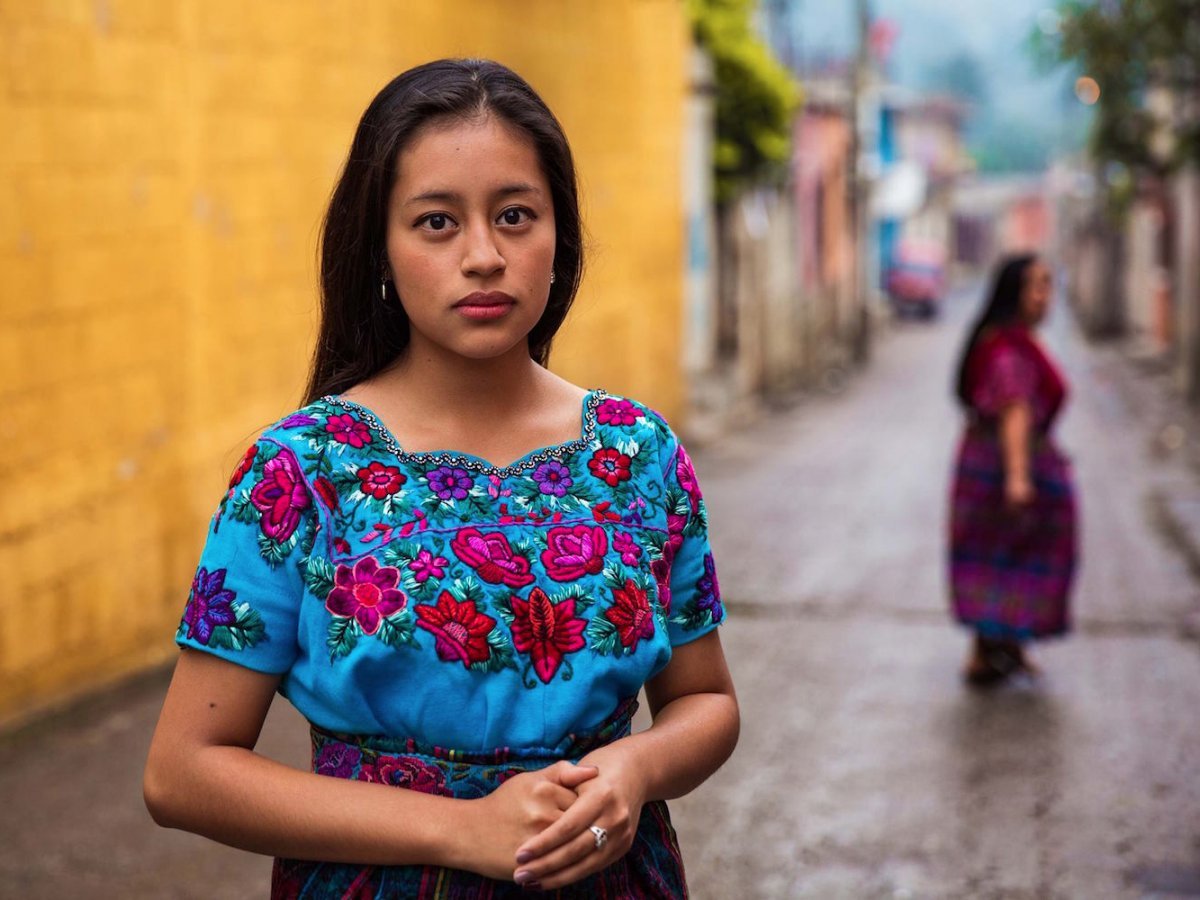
503	606
275	553
630	447
464	589
501	655
614	578
318	576
243	510
603	637
399	630
342	637
582	600
247	630
400	553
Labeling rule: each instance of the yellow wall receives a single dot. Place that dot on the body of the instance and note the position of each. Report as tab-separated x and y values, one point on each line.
163	168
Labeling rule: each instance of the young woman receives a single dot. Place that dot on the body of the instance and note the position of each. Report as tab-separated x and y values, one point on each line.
1012	541
458	566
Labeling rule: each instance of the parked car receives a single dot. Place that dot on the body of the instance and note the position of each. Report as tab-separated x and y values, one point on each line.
916	279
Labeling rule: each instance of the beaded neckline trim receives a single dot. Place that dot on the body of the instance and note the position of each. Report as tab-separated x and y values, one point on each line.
474	463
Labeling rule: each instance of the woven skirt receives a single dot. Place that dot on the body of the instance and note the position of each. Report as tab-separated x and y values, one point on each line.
1011	571
652	868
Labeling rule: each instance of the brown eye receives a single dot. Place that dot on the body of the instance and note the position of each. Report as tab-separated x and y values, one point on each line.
514	216
437	221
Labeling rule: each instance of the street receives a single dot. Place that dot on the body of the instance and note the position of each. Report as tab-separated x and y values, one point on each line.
865	768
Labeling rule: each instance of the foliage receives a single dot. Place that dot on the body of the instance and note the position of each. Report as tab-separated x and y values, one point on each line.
755	95
1131	47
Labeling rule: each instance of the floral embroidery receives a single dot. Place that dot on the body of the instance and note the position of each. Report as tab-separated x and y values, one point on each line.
324	489
461	630
610	465
624	544
450	482
348	430
574	552
709	589
337	760
546	631
686	475
380	481
281	496
631	614
553	478
406	772
298	420
243	466
491	556
617	412
367	593
661	570
427	566
210	604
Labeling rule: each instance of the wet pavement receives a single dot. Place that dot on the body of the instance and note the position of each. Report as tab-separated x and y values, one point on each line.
865	768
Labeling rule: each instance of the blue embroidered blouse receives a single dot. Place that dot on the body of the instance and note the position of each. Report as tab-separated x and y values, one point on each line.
438	597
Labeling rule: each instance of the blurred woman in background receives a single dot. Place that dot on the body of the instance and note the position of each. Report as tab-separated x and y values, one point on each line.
1012	529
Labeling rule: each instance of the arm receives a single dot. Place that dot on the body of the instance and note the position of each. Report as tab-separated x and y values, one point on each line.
696	723
1016	425
202	775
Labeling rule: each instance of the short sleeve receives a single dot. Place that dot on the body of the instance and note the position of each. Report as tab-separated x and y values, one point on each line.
694	604
244	601
1006	377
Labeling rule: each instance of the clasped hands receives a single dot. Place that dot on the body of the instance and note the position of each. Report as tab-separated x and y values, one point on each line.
538	823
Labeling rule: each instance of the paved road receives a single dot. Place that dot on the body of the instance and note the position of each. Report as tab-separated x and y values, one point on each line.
865	769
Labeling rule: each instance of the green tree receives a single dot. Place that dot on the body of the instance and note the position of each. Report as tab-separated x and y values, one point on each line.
756	96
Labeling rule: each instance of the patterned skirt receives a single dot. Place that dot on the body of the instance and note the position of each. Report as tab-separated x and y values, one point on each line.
652	868
1011	571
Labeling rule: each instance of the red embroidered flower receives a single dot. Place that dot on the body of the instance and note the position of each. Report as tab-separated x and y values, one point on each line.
661	570
610	465
686	475
617	412
367	593
574	552
327	492
380	481
407	772
631	614
280	497
460	630
491	556
348	430
243	466
546	631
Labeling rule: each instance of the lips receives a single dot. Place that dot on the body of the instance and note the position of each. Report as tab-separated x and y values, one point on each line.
485	304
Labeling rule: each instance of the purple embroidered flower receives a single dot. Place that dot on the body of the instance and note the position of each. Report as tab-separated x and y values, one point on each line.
337	760
368	593
624	544
450	482
209	605
710	590
427	566
553	478
298	420
617	412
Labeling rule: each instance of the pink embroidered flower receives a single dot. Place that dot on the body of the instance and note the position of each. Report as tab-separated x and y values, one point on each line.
380	481
610	465
631	615
617	412
348	430
427	566
460	630
407	772
367	593
326	491
624	544
243	466
491	556
574	552
675	526
546	631
281	496
686	475
661	570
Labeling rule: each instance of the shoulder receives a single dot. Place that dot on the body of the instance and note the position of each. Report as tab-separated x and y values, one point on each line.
638	421
324	425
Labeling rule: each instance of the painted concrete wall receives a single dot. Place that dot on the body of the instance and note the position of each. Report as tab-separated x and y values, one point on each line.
163	170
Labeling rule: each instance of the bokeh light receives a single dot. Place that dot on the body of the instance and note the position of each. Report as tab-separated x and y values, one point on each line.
1087	89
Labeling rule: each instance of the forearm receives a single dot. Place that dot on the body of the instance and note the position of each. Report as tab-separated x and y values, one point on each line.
1015	427
237	797
690	739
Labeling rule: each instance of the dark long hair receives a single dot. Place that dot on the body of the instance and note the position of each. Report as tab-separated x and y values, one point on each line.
360	333
1003	308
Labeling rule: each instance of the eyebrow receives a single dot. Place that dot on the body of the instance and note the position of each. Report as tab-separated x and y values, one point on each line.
440	196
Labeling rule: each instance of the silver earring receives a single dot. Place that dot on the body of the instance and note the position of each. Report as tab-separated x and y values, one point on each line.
552	278
383	289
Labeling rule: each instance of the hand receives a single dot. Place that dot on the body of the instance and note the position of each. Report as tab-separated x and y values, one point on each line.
566	851
520	809
1019	491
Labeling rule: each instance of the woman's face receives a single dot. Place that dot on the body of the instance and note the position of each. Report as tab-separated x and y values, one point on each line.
471	238
1036	290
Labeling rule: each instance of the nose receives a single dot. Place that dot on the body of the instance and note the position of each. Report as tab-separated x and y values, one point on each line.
481	256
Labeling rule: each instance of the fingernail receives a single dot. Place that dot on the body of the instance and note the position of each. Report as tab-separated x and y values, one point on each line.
523	857
523	878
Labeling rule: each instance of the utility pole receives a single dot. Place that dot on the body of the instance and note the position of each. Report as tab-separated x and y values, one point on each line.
861	204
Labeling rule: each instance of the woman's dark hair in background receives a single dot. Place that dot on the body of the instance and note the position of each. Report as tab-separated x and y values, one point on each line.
1003	308
360	334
